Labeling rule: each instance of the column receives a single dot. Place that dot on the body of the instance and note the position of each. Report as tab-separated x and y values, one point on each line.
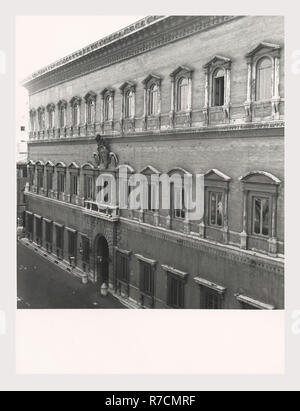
248	102
244	233
68	186
227	94
276	96
146	97
206	98
81	189
273	239
172	112
225	228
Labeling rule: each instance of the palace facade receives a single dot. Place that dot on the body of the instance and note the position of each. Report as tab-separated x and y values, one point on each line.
175	94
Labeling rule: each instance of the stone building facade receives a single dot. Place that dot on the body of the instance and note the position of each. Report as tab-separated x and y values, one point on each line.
185	94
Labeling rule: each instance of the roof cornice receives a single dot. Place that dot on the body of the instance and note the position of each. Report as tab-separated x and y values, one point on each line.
144	35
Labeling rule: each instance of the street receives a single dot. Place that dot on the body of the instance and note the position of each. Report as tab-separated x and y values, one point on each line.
42	284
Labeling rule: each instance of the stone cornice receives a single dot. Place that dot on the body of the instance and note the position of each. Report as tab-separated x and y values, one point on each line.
252	130
157	31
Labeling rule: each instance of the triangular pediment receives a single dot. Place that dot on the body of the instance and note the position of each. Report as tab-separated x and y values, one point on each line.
216	175
181	70
217	60
150	170
265	47
151	78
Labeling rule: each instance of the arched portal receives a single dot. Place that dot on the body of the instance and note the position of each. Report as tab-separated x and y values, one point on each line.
102	260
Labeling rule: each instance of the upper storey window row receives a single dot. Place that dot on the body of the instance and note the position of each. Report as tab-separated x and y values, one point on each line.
262	86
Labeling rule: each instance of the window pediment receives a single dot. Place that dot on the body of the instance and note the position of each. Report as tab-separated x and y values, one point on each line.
108	91
41	109
149	170
181	71
49	164
32	111
218	61
61	165
151	79
90	96
216	175
179	170
88	166
264	48
128	85
40	163
62	103
73	166
260	177
75	100
50	107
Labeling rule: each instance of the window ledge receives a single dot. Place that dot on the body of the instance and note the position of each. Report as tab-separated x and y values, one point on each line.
254	303
146	260
172	270
208	284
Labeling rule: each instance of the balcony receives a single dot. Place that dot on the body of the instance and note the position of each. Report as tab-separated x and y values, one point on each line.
105	211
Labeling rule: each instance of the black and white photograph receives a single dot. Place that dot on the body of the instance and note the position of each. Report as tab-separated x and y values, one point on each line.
150	165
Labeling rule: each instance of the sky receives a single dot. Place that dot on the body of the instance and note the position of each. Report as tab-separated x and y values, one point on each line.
41	40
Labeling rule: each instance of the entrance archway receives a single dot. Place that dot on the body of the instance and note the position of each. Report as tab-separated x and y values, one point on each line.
102	259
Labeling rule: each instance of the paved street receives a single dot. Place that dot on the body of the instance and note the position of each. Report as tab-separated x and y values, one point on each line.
42	284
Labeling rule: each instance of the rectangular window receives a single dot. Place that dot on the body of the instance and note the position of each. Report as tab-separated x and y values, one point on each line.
89	187
72	243
61	182
30	223
146	278
85	250
216	209
49	180
212	300
24	172
175	297
219	91
48	232
39	228
40	179
59	237
122	267
177	199
261	216
74	184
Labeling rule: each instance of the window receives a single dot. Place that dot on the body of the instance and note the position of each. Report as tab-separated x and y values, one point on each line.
40	178
260	195
146	278
72	243
264	79
85	250
41	118
61	181
59	237
212	300
122	267
177	199
50	114
261	216
218	88
182	96
30	223
62	116
48	232
49	179
39	228
89	187
108	108
129	104
24	173
51	118
74	184
32	120
153	100
31	175
175	298
90	111
75	114
216	209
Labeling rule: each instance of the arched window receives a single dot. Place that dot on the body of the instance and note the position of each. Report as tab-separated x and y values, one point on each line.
41	118
62	107
51	111
182	94
264	79
153	100
108	108
218	87
32	120
76	114
90	111
129	104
